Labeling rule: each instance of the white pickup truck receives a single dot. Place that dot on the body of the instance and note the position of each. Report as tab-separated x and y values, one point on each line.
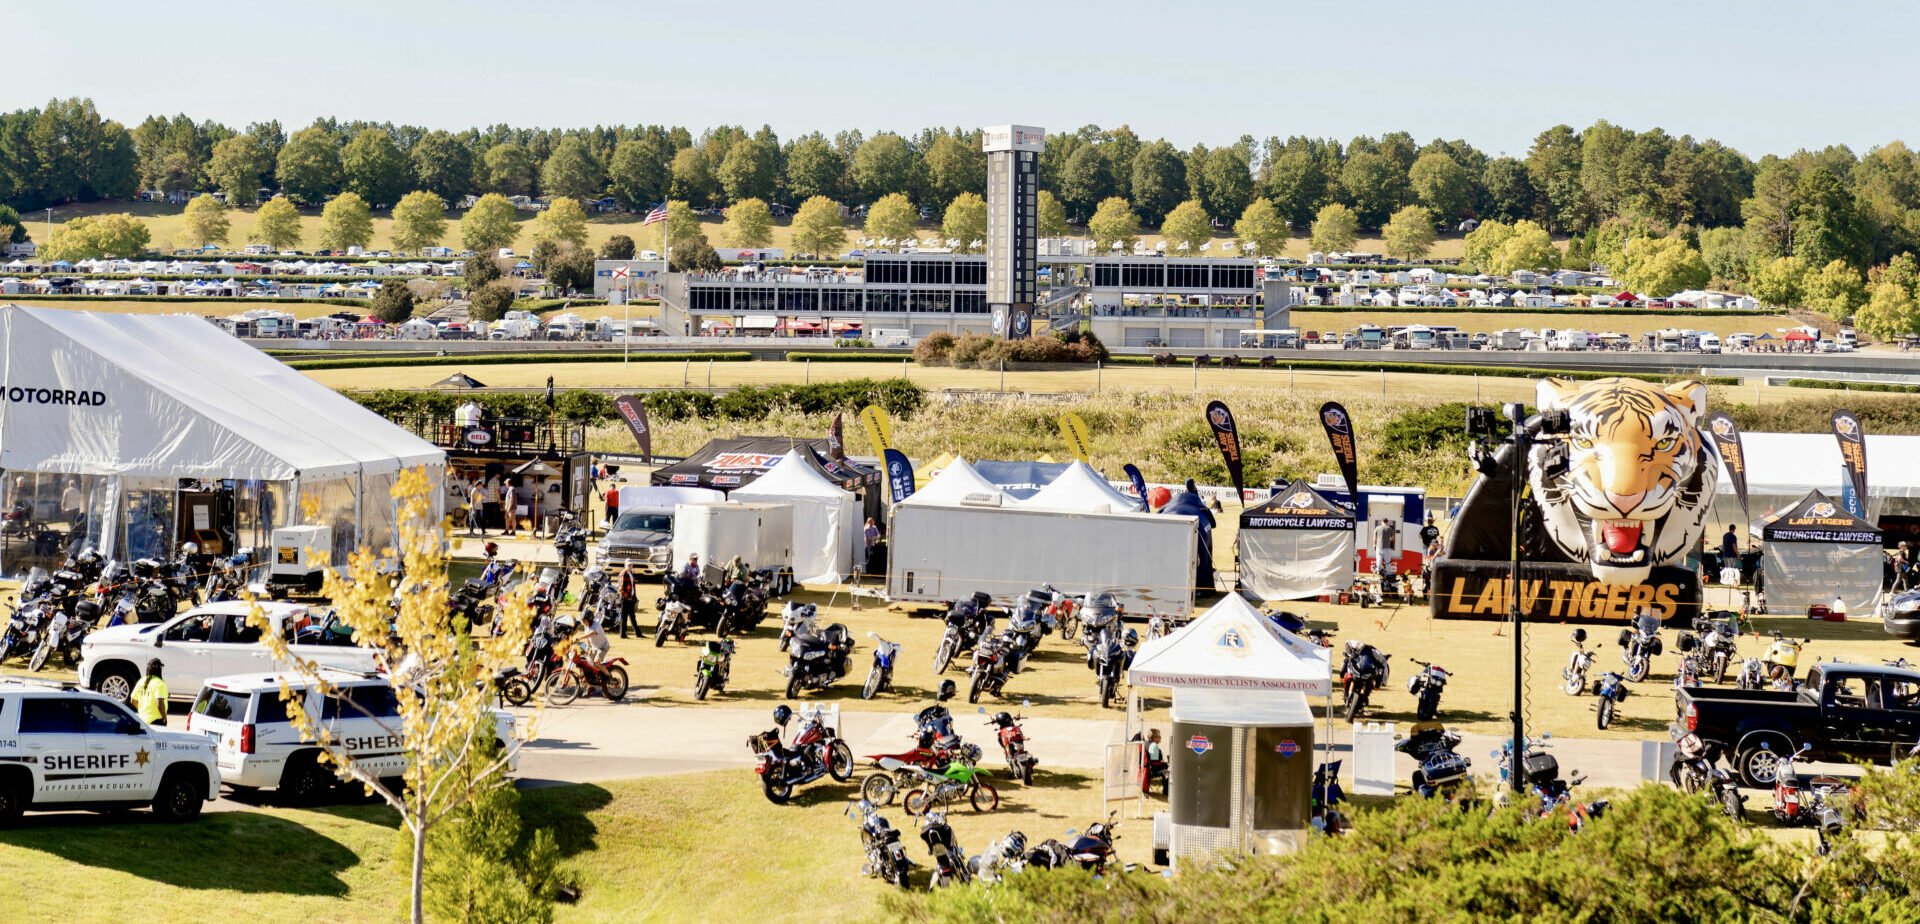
210	641
62	748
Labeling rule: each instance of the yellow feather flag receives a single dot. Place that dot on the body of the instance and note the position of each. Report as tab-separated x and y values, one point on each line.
1074	431
879	427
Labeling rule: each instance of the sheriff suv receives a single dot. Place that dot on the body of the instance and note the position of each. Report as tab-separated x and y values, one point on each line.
62	748
258	746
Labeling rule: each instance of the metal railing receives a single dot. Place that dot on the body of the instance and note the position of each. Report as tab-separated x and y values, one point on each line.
507	435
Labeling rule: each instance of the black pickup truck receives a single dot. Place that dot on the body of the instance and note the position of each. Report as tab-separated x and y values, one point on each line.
1847	712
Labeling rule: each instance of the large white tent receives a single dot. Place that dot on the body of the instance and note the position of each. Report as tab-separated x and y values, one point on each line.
1080	488
827	532
127	411
1234	646
958	482
1783	467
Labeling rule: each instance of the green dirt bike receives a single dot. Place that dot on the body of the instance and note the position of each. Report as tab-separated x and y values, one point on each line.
710	674
959	779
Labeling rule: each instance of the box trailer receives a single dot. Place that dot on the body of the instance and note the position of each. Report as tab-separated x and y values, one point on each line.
760	533
939	553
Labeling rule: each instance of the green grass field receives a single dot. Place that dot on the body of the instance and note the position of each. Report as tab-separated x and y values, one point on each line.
169	230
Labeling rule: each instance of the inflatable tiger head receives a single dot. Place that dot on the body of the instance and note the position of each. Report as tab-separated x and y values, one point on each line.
1640	474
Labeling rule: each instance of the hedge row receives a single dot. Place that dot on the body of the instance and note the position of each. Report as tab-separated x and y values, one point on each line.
507	359
900	398
844	355
1512	372
1854	386
589	407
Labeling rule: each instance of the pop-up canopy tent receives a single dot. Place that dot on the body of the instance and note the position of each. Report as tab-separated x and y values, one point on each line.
1080	488
134	432
725	465
957	483
1817	552
1241	753
1020	480
1188	503
827	530
1297	544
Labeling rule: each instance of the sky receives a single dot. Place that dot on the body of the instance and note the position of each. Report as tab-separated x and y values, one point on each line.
1761	75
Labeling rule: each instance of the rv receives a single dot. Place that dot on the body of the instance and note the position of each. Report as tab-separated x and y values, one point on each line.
1709	343
1846	338
1512	338
1572	340
1371	337
1420	338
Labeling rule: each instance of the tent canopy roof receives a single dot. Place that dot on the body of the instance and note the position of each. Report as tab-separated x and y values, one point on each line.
791	476
174	396
1297	506
1817	518
1080	488
1020	480
956	483
1232	646
731	463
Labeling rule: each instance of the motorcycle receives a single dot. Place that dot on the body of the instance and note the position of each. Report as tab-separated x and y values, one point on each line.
818	660
1639	644
1798	801
989	670
1363	670
1612	689
471	602
795	619
22	635
1693	771
1782	660
1542	771
1114	654
65	634
949	861
1752	676
1006	855
1442	768
674	619
1013	746
1094	849
1578	663
582	674
817	751
1100	616
886	856
710	672
570	540
894	773
968	621
229	580
1425	686
1064	611
956	780
1022	637
880	675
549	590
1719	643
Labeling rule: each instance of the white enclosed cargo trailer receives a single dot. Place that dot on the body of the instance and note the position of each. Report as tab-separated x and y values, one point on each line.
939	553
760	533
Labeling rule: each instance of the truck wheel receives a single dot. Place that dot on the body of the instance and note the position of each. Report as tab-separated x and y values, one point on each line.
115	682
179	798
13	798
306	782
1758	766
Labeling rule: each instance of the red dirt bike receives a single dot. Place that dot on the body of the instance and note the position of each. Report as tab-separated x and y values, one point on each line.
894	773
1013	746
582	674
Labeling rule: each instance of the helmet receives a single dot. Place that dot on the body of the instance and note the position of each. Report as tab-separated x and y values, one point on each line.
782	714
947	690
1579	635
1133	638
1353	646
1016	842
189	548
1003	718
492	549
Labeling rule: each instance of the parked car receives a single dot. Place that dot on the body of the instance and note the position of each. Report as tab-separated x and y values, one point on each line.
1902	616
62	748
1845	712
206	641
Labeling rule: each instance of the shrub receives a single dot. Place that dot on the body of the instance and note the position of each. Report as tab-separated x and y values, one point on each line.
968	350
934	349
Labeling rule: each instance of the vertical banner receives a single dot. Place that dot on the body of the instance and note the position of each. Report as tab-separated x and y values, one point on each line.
837	440
1139	483
1853	460
634	412
1228	436
1339	426
899	474
1074	431
873	419
1733	456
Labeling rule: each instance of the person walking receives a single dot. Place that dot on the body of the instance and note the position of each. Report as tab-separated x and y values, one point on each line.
150	695
613	503
476	507
1385	546
629	601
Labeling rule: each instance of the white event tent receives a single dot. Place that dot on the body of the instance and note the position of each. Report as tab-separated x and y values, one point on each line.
1783	467
958	482
1081	489
828	537
1233	646
134	432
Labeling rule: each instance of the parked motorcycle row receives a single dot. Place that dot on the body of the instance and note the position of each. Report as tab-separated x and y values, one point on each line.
53	613
949	864
1706	654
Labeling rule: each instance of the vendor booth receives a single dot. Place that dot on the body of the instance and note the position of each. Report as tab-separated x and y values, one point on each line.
957	482
1079	487
828	533
1783	467
1815	552
730	464
1241	749
134	433
1297	545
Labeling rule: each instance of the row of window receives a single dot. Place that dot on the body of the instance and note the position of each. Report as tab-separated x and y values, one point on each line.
834	301
927	272
1160	276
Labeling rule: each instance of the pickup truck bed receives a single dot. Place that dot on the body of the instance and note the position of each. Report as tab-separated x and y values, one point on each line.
1846	712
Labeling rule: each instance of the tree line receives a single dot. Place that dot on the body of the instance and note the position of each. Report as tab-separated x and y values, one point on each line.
1709	214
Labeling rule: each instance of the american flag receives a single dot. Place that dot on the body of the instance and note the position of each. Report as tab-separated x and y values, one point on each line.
658	214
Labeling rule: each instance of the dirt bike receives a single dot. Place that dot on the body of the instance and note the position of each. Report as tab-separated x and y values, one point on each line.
894	773
581	674
958	779
710	673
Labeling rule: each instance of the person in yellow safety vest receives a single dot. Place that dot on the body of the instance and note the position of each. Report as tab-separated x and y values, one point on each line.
150	695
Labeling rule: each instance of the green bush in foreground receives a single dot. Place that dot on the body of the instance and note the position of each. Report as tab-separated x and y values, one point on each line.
1655	855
